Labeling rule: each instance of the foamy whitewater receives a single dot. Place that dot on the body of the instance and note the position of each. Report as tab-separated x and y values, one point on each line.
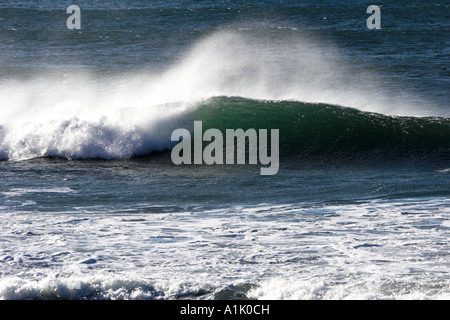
93	208
268	252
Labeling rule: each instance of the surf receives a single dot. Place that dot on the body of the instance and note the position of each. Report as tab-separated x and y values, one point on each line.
255	73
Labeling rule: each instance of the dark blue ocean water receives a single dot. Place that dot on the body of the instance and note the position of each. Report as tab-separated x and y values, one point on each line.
93	208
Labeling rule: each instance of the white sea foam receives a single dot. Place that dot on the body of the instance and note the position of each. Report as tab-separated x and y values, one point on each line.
21	191
100	286
358	289
368	250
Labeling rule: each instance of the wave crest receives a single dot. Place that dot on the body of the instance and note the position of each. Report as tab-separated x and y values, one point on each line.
306	129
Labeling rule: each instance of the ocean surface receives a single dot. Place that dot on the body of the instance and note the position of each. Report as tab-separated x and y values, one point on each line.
92	206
